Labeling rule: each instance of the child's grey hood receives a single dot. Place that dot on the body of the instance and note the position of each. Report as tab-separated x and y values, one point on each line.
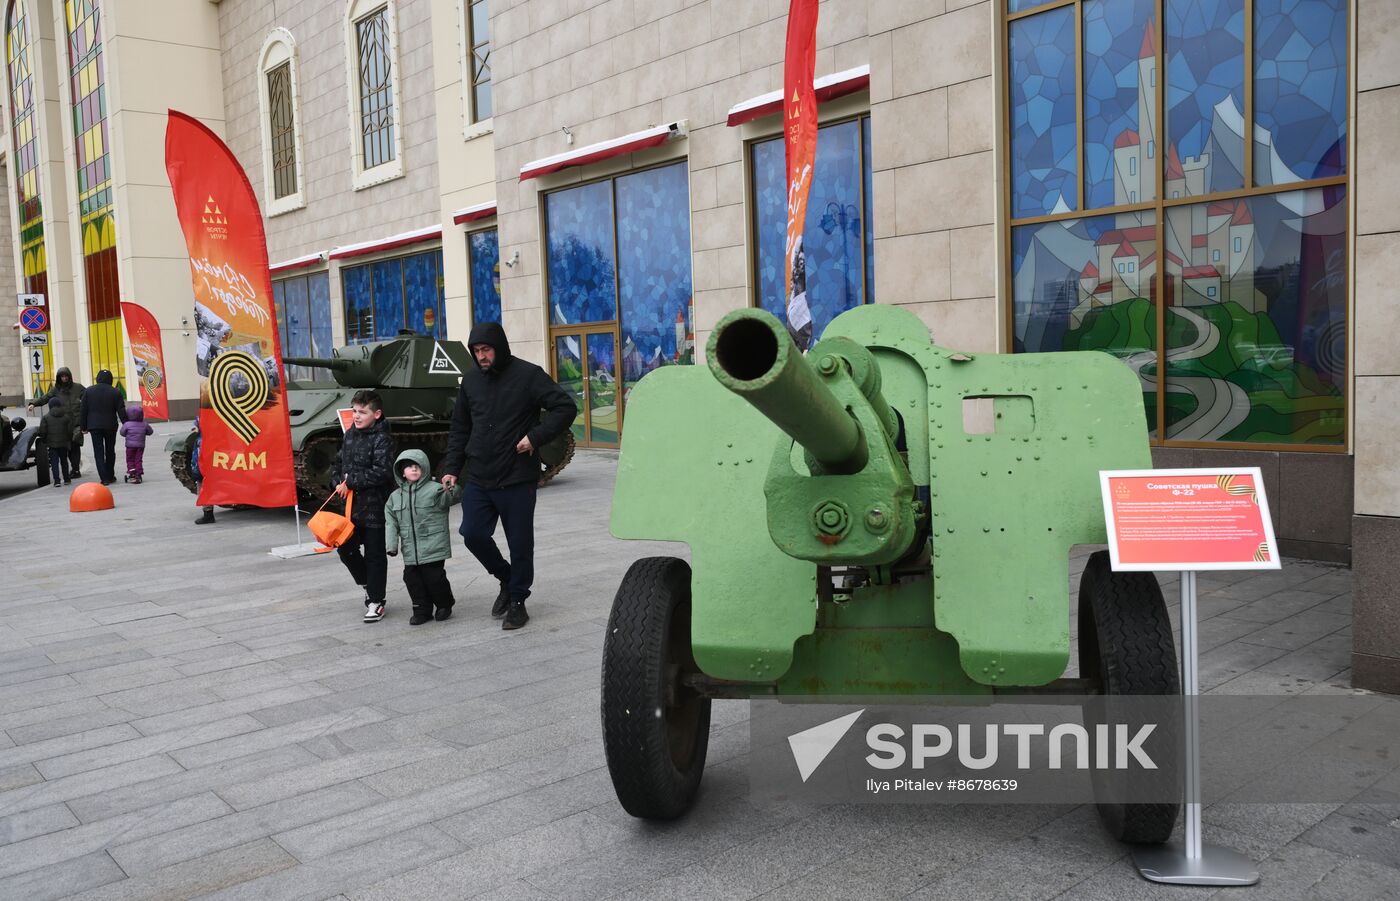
412	455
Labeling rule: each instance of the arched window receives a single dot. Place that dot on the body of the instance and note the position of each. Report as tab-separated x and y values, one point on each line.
19	64
279	99
372	49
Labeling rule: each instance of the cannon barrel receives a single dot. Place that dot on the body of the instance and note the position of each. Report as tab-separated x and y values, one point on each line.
319	363
752	355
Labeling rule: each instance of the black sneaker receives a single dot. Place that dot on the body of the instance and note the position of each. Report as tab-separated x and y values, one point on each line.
207	518
515	616
442	613
418	619
498	609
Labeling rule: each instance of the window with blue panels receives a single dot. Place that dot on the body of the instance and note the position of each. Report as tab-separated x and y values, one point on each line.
304	319
653	254
484	261
582	268
1222	226
387	297
837	235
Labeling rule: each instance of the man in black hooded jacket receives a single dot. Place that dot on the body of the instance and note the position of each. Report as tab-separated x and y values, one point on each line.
101	410
497	431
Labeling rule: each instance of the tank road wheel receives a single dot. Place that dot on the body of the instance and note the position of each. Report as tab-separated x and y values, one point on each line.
41	462
554	456
655	731
1125	644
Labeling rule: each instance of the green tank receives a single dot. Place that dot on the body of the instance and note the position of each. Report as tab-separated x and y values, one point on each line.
416	378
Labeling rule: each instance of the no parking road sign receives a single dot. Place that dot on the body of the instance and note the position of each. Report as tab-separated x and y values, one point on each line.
33	319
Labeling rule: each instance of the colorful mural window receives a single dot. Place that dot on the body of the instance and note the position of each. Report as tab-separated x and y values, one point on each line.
376	88
1217	273
484	261
387	297
479	58
304	320
96	212
838	237
620	291
19	64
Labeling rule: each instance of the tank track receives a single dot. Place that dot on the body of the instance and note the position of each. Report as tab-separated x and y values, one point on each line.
550	472
180	467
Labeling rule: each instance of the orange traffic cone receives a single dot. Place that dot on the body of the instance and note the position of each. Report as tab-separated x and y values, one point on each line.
90	496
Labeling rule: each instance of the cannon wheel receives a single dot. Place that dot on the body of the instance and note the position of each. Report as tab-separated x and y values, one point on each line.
655	731
41	462
1125	644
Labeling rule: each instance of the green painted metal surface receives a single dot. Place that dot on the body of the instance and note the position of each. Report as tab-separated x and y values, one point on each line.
1009	447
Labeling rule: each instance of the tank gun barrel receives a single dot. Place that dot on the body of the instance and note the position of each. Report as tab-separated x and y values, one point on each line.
752	355
319	363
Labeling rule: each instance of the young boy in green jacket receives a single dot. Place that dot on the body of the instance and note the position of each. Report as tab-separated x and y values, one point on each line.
415	520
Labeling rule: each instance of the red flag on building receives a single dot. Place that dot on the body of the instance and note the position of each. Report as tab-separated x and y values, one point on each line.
246	451
800	152
143	337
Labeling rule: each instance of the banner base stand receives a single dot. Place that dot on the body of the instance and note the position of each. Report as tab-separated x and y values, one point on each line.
1215	866
288	551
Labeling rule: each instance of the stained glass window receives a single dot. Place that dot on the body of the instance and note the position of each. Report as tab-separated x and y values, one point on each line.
376	88
304	320
1043	168
484	261
653	252
479	58
582	268
283	130
96	211
389	296
1226	293
837	234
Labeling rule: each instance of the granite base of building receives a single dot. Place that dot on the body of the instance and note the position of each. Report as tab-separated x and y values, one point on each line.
1376	603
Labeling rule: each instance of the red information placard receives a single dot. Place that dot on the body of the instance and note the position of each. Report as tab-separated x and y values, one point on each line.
1188	519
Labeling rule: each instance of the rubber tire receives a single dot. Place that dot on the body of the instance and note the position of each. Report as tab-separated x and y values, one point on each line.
1125	642
655	761
41	463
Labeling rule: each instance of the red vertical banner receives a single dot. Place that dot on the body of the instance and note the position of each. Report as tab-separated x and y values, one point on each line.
800	153
246	451
143	338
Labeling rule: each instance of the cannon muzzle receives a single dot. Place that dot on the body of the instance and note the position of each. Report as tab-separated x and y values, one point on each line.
751	354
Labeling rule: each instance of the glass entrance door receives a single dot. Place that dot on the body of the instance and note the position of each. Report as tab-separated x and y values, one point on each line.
586	366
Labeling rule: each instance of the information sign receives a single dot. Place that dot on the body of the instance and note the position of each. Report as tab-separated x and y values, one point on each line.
34	339
346	415
31	300
36	361
1188	519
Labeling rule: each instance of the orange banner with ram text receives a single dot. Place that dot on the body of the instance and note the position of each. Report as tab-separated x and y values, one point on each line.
800	153
143	337
245	452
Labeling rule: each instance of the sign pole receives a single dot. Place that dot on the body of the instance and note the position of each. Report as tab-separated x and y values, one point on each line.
1192	862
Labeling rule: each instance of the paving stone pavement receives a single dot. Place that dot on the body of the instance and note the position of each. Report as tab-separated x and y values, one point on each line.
182	714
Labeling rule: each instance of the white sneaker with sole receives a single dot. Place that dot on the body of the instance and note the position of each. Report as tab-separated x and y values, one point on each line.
374	612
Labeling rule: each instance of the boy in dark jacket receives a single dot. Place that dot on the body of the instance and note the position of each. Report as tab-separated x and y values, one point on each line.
497	430
135	431
415	519
56	430
101	408
71	393
365	466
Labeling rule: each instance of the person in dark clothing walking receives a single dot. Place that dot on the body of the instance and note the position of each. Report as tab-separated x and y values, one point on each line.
198	474
365	466
56	431
102	407
497	431
72	395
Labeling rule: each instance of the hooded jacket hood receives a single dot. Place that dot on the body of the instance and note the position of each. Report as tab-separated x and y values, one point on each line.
493	334
135	413
63	371
104	377
412	455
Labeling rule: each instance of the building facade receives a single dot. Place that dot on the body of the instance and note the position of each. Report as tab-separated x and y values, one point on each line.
1199	187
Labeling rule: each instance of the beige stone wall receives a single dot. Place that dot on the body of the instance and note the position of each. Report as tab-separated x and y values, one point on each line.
335	213
609	68
1376	320
466	160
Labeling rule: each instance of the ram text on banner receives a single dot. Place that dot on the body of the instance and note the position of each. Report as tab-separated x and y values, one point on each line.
143	337
246	452
800	153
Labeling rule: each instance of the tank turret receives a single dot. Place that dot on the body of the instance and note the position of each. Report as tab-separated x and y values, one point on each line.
408	361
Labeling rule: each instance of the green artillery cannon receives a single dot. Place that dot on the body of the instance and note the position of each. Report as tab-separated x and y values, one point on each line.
882	517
